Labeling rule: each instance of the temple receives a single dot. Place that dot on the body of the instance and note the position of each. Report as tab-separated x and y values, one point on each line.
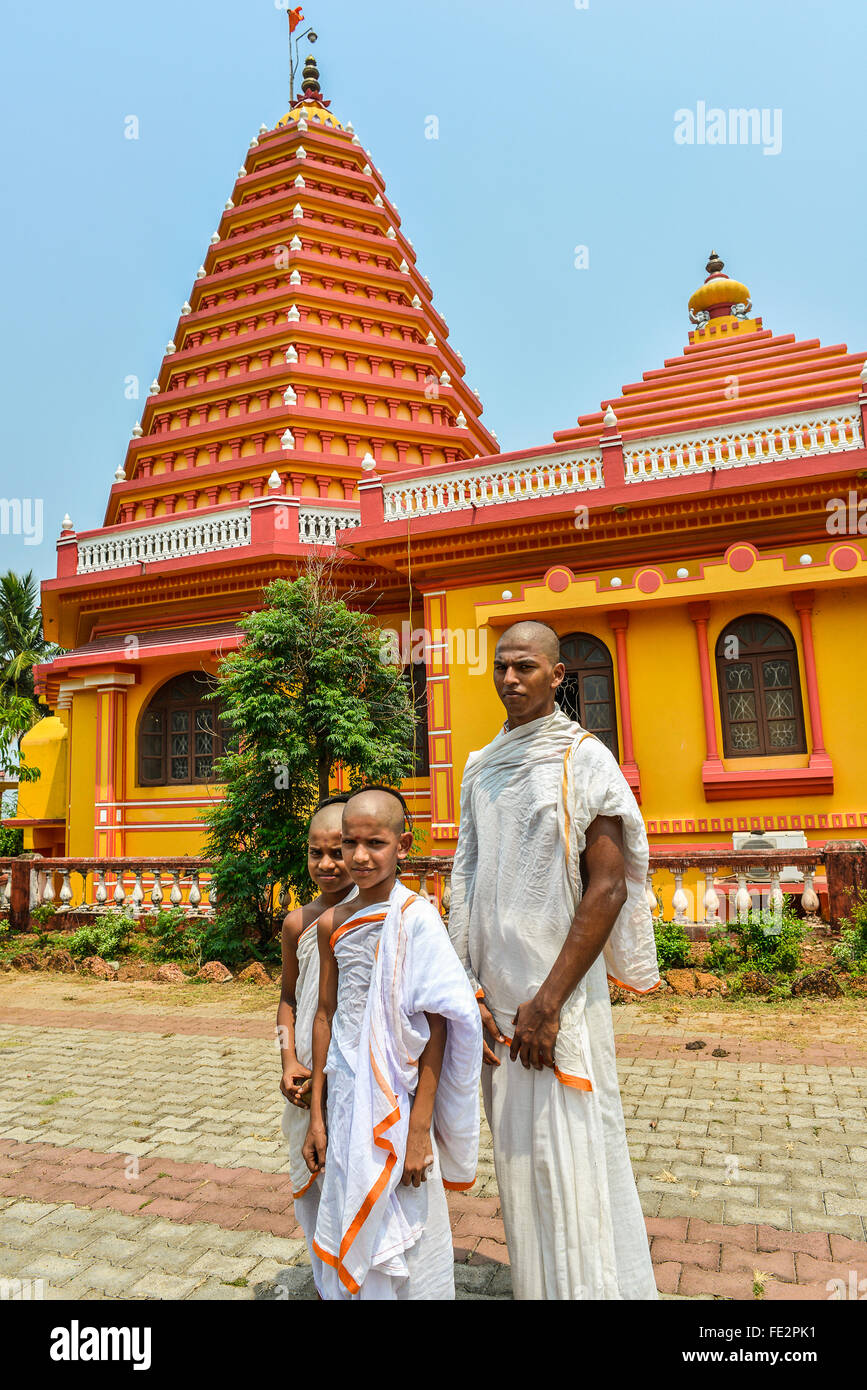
698	541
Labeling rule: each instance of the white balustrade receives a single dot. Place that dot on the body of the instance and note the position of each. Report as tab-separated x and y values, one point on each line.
760	441
167	538
319	525
501	482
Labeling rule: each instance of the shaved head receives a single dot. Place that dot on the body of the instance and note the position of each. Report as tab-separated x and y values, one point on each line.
539	636
386	808
327	817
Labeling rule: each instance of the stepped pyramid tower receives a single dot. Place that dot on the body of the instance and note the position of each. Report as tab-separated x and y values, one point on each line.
308	357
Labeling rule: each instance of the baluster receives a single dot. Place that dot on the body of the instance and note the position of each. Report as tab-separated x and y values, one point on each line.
650	895
176	897
422	889
119	892
101	890
212	895
48	890
680	902
776	904
65	888
157	891
809	897
447	897
137	894
283	900
743	902
7	890
195	894
711	899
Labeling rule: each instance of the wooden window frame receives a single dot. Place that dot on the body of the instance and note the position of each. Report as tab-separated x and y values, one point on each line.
161	702
582	671
754	657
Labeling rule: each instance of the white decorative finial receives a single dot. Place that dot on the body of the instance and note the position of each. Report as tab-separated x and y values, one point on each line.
66	523
864	374
368	463
391	234
253	142
616	582
377	202
302	125
291	353
295	277
298	210
186	307
287	440
290	396
263	130
404	267
367	169
296	243
461	421
445	379
416	302
170	348
299	181
294	313
120	474
154	388
137	430
242	172
215	237
350	127
274	481
609	419
228	205
201	273
301	153
431	340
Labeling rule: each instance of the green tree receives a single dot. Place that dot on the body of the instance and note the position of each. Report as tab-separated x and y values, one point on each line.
308	689
22	646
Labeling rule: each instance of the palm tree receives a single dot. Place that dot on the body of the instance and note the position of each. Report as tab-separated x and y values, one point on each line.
22	644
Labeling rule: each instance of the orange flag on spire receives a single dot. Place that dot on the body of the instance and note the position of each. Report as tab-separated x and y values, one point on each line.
295	18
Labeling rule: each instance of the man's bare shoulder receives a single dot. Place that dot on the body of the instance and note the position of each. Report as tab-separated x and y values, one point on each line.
297	921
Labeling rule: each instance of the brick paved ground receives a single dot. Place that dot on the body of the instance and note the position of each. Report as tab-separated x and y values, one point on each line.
141	1155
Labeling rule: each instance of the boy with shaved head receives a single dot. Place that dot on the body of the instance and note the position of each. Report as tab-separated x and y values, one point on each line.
548	897
397	1041
299	994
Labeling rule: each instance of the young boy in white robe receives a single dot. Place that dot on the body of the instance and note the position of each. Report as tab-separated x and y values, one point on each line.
397	1043
299	995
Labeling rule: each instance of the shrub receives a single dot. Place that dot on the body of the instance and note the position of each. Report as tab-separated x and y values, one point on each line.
176	936
106	936
42	914
770	944
11	841
722	955
673	946
851	951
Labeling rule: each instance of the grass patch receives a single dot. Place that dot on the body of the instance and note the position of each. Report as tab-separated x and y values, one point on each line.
53	1100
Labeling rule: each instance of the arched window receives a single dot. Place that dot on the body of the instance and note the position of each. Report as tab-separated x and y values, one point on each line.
587	691
759	688
180	733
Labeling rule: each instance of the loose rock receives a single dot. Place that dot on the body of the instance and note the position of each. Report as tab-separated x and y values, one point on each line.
681	981
99	968
214	972
257	975
818	982
171	974
59	960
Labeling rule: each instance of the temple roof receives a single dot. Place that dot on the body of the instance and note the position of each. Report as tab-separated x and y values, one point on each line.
732	368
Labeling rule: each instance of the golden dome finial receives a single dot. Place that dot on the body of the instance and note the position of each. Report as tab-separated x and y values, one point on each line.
719	297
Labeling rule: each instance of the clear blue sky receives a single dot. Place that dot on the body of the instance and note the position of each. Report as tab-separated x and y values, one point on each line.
556	129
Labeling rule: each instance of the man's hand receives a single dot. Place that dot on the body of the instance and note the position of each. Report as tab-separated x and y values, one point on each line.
295	1084
536	1029
314	1146
489	1057
419	1156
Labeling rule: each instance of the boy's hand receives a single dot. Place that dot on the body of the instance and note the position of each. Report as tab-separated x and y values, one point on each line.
419	1156
536	1029
314	1146
295	1084
489	1057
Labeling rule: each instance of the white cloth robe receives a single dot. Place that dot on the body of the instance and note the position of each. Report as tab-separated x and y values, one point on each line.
572	1216
377	1239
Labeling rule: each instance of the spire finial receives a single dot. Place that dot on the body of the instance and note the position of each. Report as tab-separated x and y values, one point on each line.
714	264
310	77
